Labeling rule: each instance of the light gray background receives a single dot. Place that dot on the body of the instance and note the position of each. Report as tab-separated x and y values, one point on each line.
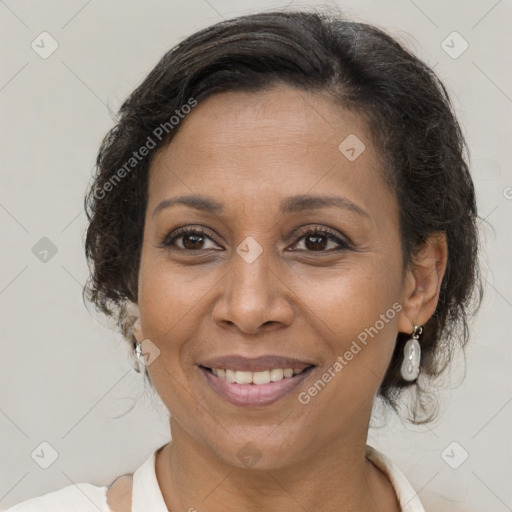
66	378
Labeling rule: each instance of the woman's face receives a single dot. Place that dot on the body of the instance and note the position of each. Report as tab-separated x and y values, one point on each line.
292	251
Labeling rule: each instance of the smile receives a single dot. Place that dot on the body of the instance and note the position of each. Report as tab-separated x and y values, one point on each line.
250	389
258	378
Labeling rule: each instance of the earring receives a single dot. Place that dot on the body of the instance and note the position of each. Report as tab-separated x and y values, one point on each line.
412	354
138	350
138	347
139	367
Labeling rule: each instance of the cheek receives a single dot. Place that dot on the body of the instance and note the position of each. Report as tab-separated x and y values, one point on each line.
356	319
169	305
170	299
352	298
355	313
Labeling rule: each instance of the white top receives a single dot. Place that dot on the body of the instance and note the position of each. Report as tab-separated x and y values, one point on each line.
147	497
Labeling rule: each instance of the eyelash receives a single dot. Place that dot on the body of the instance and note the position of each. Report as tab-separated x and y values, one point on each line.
331	235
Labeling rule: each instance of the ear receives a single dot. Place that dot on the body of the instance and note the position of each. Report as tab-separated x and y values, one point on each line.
137	328
137	331
423	283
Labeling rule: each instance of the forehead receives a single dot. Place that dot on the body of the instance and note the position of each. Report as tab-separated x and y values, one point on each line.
280	141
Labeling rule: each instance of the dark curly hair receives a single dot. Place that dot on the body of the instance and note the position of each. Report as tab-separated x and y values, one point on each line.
411	122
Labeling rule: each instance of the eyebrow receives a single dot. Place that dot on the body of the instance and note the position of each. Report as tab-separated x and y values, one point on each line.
289	205
201	203
310	202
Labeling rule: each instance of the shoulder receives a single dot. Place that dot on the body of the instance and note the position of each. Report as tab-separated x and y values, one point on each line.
114	497
405	493
119	494
81	497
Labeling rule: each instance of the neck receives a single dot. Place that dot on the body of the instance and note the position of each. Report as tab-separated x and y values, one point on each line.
337	477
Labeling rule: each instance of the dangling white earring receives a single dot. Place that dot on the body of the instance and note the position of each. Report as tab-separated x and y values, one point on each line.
139	366
412	355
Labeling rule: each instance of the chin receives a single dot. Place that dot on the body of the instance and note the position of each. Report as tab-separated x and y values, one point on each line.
258	452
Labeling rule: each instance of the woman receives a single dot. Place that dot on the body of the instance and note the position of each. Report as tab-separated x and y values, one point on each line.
283	224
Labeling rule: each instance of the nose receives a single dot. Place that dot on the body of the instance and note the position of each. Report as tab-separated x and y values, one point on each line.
253	298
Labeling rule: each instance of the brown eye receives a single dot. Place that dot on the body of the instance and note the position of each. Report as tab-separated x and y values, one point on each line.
320	240
316	242
189	239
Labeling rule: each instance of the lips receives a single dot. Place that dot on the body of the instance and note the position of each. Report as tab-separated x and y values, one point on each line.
228	377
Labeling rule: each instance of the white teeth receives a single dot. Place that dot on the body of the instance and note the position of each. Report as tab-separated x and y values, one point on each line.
262	377
276	374
243	377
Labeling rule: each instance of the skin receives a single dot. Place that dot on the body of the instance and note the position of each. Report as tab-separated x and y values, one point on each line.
250	151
